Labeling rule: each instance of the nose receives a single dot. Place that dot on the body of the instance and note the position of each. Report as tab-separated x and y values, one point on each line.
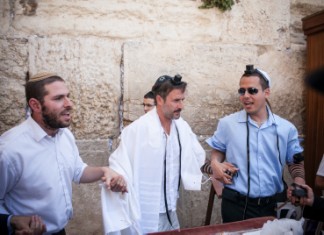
246	94
181	104
68	102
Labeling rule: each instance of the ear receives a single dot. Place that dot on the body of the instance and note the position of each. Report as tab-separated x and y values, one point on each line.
35	105
159	100
267	92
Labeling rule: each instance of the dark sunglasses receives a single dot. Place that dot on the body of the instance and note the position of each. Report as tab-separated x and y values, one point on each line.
250	90
176	80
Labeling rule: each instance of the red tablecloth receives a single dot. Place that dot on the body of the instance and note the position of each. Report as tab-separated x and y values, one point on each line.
217	228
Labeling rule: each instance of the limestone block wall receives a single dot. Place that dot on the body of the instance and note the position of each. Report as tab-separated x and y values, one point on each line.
111	53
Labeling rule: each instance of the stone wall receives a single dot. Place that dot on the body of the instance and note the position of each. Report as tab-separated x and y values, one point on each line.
111	52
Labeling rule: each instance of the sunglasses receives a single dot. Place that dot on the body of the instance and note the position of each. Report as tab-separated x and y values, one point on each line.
250	90
176	80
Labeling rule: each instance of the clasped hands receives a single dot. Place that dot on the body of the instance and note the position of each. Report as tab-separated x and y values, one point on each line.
224	171
27	225
114	181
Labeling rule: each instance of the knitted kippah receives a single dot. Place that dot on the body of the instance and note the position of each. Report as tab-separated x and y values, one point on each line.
41	76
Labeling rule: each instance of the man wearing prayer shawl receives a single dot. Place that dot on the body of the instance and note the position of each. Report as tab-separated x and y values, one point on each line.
156	153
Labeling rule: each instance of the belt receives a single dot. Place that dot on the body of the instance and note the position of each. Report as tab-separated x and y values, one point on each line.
61	232
259	201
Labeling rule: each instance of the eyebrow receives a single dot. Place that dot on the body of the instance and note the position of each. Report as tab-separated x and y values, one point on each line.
61	96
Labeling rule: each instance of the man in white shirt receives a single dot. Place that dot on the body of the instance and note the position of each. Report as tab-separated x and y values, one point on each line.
156	152
39	158
148	101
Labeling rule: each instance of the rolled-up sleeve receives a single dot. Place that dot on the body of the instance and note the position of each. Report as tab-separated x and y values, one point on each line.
217	141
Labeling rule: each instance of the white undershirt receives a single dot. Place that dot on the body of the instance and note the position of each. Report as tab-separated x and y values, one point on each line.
172	170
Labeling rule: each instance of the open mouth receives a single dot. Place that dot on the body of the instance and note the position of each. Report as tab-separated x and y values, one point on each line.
178	111
248	104
66	115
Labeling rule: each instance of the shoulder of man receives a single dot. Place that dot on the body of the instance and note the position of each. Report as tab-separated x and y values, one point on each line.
146	121
239	116
12	135
282	121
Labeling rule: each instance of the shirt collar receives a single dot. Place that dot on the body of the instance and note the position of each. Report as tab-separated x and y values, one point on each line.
37	132
271	119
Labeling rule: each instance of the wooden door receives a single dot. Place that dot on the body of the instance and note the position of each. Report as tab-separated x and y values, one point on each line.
313	27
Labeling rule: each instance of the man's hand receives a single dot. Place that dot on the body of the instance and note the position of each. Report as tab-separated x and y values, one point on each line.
27	225
305	201
224	171
114	181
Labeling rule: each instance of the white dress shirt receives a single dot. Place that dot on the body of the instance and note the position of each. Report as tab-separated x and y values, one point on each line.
36	173
172	171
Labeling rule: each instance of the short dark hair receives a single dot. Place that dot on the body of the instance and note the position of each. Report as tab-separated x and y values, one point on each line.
37	89
165	84
149	95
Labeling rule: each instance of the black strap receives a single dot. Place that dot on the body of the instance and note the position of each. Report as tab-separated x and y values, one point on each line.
180	151
165	196
248	163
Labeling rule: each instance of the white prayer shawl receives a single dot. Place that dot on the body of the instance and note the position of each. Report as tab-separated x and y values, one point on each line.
139	158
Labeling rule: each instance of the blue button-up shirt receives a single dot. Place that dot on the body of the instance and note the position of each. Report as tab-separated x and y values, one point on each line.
266	169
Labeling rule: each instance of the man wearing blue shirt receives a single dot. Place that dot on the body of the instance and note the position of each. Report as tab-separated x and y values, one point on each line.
250	150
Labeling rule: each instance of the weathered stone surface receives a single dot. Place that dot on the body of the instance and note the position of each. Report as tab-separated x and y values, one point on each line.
86	197
248	21
91	69
112	51
13	64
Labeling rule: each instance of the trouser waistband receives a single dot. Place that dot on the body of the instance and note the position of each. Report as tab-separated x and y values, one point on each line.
233	194
61	232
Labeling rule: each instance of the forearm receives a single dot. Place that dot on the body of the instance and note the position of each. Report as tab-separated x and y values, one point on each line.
217	156
92	174
297	172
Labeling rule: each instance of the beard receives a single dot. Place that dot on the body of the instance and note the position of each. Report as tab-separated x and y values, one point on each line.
171	114
52	120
